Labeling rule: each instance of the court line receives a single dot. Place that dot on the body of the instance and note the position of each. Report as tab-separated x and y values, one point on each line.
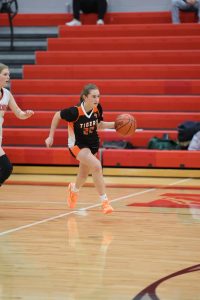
73	212
67	214
109	185
181	181
138	186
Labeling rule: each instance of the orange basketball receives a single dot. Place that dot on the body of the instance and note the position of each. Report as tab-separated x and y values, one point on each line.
125	124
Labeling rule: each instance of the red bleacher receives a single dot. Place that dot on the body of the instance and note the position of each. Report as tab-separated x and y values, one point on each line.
135	103
131	30
142	64
132	71
36	136
118	57
124	43
110	18
145	120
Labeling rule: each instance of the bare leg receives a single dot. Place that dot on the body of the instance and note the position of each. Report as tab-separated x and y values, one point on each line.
87	158
88	162
82	175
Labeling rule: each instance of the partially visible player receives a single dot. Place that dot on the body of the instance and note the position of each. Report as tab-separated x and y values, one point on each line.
83	141
7	101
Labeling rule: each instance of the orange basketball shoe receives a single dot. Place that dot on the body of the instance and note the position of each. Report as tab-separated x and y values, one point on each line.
107	208
72	196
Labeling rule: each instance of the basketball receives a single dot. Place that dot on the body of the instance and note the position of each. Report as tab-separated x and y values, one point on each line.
125	124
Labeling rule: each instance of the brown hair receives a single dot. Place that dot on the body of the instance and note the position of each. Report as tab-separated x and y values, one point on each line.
2	67
86	90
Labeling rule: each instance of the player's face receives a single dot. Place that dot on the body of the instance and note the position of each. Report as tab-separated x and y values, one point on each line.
92	99
4	77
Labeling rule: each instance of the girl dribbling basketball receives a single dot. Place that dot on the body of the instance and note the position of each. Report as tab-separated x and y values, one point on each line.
83	122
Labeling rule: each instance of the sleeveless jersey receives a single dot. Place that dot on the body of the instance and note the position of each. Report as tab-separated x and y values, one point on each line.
4	101
82	125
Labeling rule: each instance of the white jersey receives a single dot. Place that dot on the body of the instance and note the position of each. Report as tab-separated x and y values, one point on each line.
4	101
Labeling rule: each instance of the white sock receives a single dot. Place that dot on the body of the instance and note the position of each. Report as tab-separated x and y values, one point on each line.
74	189
104	197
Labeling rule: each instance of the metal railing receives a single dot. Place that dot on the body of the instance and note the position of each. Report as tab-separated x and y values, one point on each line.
11	8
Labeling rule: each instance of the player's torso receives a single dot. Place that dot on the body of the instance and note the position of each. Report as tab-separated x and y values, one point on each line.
83	130
85	127
4	100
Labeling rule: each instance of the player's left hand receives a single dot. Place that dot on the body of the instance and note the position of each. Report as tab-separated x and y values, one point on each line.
28	113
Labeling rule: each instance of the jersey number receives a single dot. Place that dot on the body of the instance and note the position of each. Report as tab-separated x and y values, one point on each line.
88	130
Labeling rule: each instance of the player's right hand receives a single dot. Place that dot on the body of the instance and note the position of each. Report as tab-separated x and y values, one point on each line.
49	142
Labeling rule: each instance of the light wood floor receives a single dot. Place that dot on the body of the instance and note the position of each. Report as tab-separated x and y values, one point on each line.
49	252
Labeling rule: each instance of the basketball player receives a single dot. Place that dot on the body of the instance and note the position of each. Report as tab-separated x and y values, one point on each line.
7	100
83	122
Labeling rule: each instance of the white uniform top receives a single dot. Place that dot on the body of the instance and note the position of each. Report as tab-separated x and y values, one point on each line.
3	107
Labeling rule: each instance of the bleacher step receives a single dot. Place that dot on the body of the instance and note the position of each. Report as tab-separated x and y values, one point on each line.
36	136
144	43
108	86
20	59
134	103
145	120
118	57
32	32
131	71
130	30
24	45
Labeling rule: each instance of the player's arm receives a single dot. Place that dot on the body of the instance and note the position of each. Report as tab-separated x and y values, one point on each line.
20	114
54	124
68	114
102	124
106	125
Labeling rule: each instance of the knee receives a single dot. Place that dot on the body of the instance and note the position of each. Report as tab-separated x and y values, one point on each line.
97	167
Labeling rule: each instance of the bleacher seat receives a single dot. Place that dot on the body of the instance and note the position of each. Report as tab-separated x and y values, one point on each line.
142	64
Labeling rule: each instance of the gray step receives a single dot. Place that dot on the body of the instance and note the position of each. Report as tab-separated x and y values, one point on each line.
14	58
15	73
30	32
23	45
27	40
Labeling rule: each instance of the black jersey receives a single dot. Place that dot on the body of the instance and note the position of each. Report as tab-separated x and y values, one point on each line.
82	125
